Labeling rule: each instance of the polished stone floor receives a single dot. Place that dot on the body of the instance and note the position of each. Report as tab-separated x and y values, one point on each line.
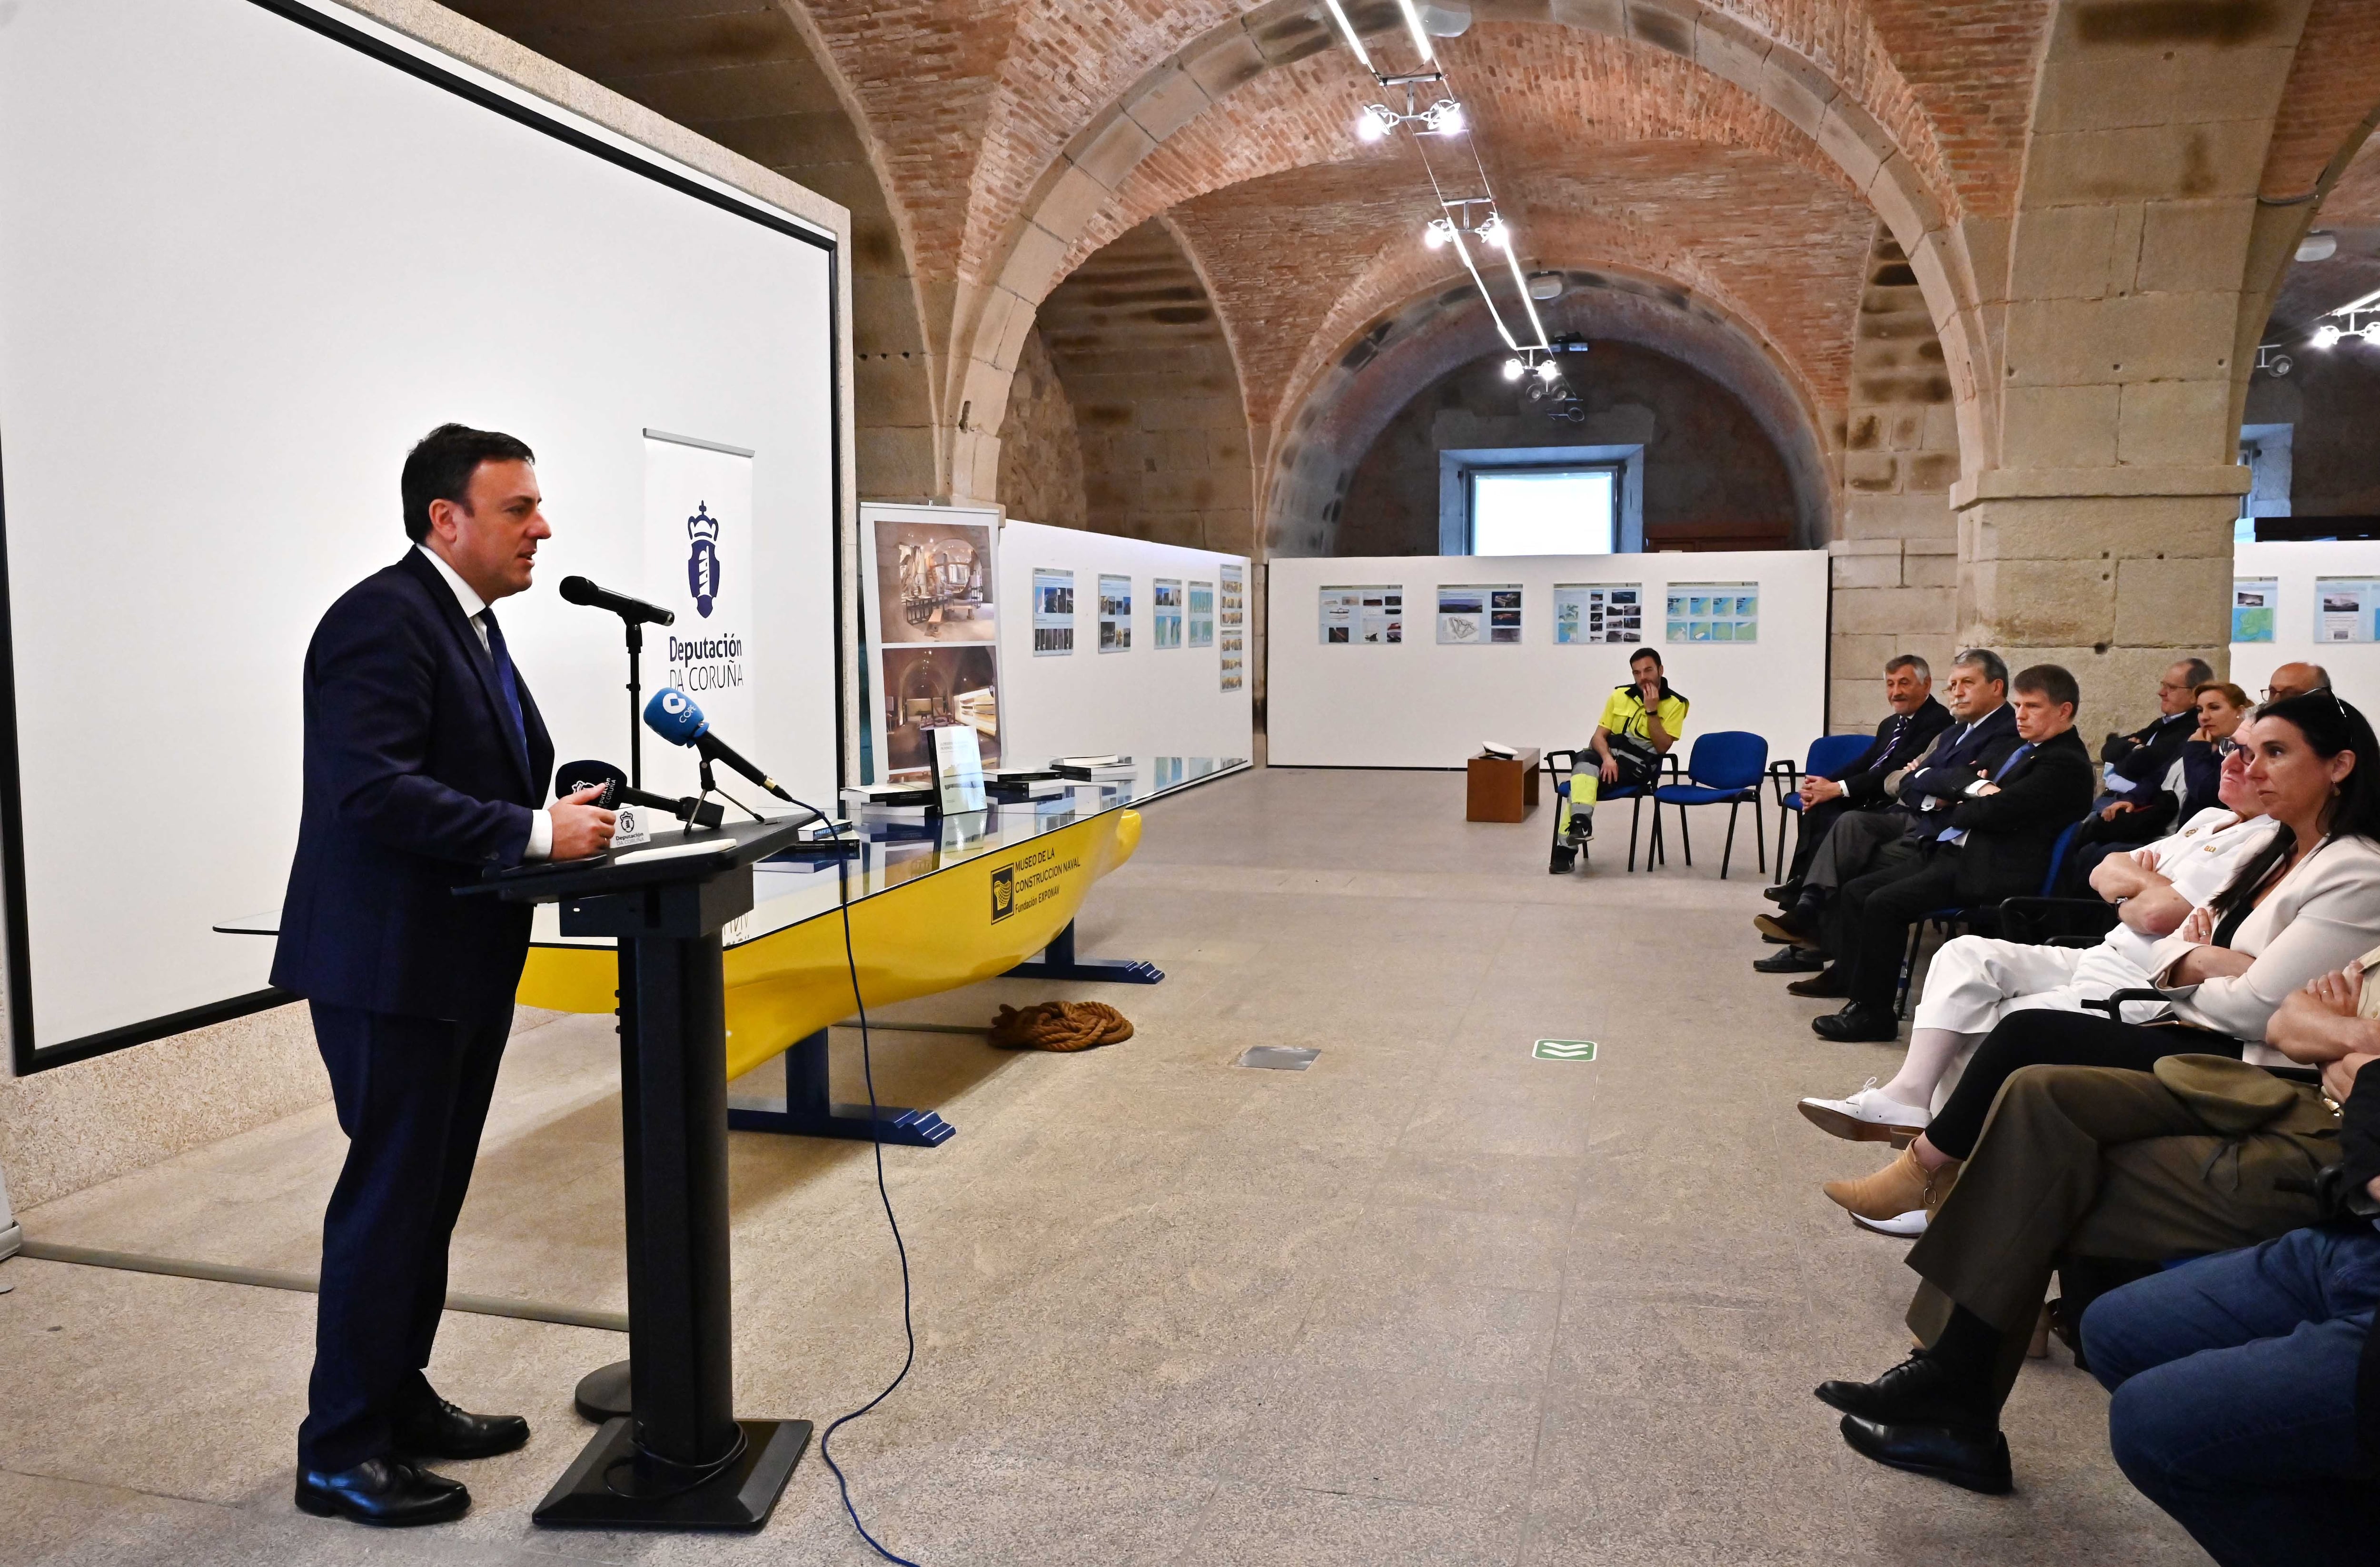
1430	1302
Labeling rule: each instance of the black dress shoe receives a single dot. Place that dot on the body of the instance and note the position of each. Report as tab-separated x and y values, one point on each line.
1858	1022
1915	1392
1976	1460
1793	926
384	1491
1785	894
1565	860
1791	960
1827	983
440	1430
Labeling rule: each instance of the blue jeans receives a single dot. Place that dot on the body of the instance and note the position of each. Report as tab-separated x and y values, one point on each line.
2234	1409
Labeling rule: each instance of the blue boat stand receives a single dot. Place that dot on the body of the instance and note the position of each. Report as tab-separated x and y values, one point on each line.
1059	962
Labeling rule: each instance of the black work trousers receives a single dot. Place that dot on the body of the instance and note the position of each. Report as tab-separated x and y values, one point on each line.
412	1094
1876	911
1816	822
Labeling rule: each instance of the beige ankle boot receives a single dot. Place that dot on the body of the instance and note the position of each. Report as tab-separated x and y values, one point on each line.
1899	1187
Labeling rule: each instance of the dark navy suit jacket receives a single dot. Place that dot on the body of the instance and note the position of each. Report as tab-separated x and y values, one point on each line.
1958	760
415	784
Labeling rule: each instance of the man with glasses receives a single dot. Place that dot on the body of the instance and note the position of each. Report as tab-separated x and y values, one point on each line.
2296	680
2132	806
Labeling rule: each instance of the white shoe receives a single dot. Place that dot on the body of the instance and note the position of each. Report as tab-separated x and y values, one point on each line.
1867	1117
1906	1227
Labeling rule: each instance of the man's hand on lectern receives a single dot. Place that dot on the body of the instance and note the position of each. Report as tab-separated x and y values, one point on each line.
579	829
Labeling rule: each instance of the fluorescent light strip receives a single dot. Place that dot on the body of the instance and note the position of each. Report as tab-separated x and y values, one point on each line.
1493	313
1420	37
1347	31
1512	260
2365	303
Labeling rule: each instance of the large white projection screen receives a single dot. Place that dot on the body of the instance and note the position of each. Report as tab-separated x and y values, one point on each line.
228	304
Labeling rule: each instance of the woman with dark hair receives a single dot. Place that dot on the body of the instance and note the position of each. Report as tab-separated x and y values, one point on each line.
2092	1150
2305	904
2197	774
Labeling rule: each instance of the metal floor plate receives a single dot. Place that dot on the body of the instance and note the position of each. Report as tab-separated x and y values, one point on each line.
1280	1058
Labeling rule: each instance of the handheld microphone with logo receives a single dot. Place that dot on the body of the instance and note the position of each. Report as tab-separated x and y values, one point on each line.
571	777
578	590
673	715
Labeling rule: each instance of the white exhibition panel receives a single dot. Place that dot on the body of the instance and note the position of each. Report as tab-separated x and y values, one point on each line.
1417	703
2354	666
228	305
1143	703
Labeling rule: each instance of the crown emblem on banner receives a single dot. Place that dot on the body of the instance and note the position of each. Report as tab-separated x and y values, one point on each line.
702	525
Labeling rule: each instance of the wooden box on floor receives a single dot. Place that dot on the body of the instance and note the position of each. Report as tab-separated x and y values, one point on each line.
1502	789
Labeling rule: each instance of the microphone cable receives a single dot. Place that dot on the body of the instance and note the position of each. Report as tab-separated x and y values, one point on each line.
876	1142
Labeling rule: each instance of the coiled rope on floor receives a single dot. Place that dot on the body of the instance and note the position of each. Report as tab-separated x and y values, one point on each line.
1060	1025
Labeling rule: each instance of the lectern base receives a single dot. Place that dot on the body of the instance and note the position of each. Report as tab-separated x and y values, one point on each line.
741	1497
603	1393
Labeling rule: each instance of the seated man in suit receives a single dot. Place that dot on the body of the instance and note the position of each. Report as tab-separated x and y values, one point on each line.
2133	807
1981	733
1994	844
1900	740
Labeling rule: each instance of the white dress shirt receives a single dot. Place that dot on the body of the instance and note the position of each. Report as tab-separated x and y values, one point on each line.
541	823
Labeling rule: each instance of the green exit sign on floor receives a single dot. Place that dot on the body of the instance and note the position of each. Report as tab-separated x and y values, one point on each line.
1565	1050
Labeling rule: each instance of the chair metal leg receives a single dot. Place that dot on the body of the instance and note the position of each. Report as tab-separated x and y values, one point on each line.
1685	835
1908	968
1761	843
1727	853
1635	816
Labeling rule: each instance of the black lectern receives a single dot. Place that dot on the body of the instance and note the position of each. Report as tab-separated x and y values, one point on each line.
681	1460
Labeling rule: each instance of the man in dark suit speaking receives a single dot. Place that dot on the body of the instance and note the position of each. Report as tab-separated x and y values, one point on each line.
424	753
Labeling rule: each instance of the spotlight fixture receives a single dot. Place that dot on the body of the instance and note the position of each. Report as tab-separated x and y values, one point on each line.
1444	118
1436	234
1493	232
1548	370
2326	335
2370	333
1374	123
1513	370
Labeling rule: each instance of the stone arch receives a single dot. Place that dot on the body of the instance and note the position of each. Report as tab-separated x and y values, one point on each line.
1868	127
1375	372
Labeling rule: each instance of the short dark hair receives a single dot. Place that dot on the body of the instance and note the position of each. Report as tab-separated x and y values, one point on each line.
1995	667
2199	670
1910	660
2051	680
439	468
1646	654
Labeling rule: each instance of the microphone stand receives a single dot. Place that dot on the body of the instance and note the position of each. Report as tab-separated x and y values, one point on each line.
636	728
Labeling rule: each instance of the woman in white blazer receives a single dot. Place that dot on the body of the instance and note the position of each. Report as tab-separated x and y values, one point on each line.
2305	904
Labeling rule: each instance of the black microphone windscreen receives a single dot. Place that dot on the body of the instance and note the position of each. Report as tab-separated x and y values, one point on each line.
577	591
571	777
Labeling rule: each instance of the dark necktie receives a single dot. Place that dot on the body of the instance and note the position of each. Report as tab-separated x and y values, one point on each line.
507	682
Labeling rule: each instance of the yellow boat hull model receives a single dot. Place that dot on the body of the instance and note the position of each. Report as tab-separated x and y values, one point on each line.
941	925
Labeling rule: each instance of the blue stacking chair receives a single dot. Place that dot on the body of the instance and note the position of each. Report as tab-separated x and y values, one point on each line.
1826	753
1725	769
1559	772
1943	918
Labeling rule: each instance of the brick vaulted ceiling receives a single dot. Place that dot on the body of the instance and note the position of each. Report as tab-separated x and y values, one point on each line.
1730	149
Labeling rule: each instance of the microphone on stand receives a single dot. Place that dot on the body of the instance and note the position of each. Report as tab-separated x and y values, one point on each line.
571	777
673	715
578	590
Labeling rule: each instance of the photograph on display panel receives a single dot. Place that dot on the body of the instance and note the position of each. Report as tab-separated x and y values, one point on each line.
2344	609
2254	601
1115	614
1486	614
1053	612
1600	612
1714	611
1202	614
1165	613
933	581
931	688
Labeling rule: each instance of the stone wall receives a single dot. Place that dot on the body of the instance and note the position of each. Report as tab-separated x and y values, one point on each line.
1712	477
1896	559
1040	454
1155	397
